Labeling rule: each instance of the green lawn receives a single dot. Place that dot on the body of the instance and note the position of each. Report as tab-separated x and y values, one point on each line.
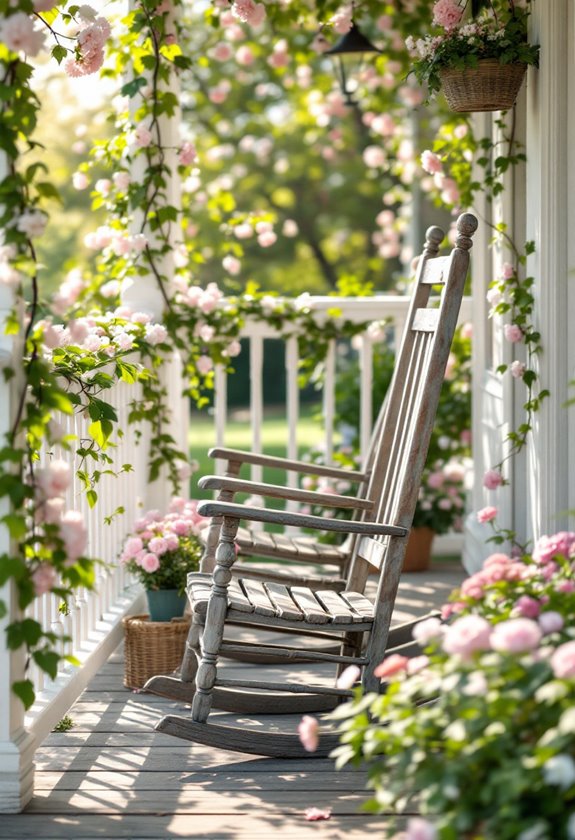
238	436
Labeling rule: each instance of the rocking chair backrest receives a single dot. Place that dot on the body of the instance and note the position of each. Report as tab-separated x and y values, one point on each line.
411	406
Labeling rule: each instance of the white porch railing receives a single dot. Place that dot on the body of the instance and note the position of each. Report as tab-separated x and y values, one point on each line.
94	621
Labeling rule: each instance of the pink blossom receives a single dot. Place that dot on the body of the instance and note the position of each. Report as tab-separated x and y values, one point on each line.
142	136
513	333
50	510
492	479
391	665
431	163
232	265
244	231
528	607
550	622
547	547
74	534
313	814
447	13
150	563
53	479
132	546
121	180
507	271
245	56
374	157
517	635
222	51
43	5
420	829
467	635
563	661
417	664
158	545
249	11
18	34
204	365
233	349
80	180
32	223
566	586
156	333
487	514
187	154
517	369
496	560
308	732
427	630
44	578
267	238
348	677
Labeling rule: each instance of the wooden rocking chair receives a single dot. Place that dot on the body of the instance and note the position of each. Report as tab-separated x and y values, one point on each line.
262	544
361	625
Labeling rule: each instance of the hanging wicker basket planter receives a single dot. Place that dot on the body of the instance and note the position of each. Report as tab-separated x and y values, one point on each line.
490	86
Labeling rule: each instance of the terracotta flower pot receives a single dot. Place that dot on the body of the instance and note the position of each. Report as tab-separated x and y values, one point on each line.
418	551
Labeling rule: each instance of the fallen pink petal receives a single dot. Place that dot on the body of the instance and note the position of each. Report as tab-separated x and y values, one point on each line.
313	814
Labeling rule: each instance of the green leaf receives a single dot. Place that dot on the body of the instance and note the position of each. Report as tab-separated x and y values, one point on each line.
24	689
92	497
16	525
48	661
131	88
27	631
100	430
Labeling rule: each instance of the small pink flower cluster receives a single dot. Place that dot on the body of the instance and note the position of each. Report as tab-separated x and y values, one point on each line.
51	483
17	32
89	53
249	12
447	13
118	241
111	333
163	549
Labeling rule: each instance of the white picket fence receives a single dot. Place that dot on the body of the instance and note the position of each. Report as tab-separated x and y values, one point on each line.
94	622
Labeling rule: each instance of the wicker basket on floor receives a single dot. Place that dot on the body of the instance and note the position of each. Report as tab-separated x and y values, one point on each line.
152	647
490	86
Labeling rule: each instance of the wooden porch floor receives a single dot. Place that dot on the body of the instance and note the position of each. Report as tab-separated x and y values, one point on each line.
112	776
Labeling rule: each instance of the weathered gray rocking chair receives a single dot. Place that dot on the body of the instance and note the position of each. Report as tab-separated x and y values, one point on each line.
361	625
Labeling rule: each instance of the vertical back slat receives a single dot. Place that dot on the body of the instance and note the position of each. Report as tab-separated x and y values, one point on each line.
256	399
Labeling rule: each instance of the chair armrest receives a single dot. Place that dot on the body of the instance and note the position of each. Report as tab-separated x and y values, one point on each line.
286	464
301	520
238	485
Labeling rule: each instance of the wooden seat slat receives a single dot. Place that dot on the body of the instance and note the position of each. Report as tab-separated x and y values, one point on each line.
307	602
255	593
359	603
280	596
340	610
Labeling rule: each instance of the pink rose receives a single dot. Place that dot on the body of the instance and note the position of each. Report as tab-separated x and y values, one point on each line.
492	479
420	829
563	661
431	163
517	369
74	534
150	563
132	547
528	607
547	547
507	271
427	630
517	635
550	622
486	514
513	333
308	732
447	13
393	664
467	635
53	479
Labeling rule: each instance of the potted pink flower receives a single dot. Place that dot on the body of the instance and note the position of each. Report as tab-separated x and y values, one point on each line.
161	551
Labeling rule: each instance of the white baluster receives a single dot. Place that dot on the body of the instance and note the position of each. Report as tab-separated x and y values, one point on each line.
292	408
329	401
366	392
220	409
256	399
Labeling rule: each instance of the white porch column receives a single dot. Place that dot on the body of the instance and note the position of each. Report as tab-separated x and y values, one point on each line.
16	744
550	210
144	294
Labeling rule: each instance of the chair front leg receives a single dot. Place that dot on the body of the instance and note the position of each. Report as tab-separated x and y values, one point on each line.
213	634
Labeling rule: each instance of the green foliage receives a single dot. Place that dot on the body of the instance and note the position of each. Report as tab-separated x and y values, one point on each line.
64	725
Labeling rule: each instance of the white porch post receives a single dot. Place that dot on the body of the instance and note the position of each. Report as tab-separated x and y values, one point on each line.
144	294
16	744
550	203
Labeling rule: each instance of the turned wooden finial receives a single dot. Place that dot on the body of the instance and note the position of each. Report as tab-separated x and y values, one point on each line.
434	236
466	227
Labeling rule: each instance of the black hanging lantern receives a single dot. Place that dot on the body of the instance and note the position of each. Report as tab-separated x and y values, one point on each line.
348	54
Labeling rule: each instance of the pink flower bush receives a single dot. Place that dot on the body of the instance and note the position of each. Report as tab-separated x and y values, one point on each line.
163	549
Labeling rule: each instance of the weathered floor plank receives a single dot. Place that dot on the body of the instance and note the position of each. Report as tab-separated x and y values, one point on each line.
112	776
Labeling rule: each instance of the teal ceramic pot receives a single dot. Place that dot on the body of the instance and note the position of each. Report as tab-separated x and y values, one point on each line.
165	604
